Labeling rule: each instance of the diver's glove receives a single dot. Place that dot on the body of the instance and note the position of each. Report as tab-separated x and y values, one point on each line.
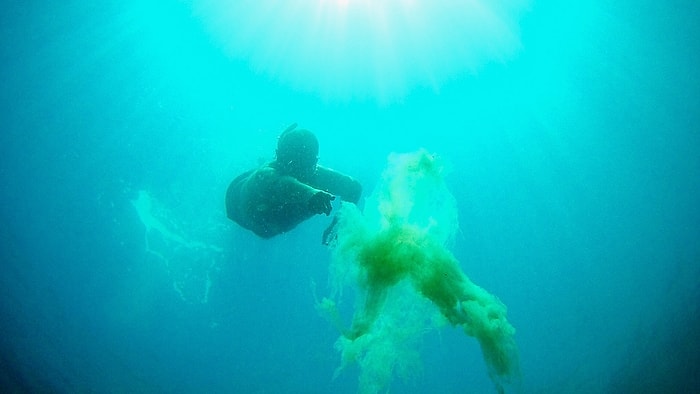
321	203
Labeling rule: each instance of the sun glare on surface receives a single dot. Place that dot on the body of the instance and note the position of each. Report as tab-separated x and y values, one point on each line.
378	50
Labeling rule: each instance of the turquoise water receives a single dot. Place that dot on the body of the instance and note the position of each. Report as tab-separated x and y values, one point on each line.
569	134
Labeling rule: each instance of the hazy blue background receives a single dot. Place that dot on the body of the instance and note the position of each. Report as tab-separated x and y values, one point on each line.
571	133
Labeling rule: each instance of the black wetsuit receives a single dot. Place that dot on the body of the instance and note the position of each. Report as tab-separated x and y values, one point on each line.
268	202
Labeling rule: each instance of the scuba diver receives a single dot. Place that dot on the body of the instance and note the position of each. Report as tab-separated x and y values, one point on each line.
276	197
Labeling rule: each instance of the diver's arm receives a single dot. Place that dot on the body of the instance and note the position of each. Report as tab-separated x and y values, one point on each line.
334	182
345	186
288	193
